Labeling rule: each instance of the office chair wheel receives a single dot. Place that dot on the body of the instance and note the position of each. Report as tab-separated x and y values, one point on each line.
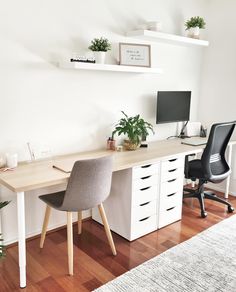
230	209
204	214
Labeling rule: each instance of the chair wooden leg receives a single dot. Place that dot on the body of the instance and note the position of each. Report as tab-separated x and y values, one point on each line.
70	242
45	225
107	228
79	222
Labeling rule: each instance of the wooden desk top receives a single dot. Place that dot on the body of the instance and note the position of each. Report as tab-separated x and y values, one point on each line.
40	174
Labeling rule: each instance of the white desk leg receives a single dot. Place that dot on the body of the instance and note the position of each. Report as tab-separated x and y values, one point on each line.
228	178
21	237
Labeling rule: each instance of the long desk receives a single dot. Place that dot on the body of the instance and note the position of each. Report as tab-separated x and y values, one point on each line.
41	174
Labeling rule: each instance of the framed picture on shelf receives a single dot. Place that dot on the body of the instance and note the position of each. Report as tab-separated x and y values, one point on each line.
135	55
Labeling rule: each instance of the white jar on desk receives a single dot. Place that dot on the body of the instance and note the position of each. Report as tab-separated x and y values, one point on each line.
11	160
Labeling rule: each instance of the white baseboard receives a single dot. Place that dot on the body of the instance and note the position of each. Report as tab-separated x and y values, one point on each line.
220	189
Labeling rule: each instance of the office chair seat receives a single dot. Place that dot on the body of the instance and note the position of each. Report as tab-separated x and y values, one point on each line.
54	200
212	167
195	170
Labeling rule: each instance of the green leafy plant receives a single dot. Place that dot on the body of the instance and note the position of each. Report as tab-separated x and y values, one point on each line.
100	45
2	249
195	21
134	127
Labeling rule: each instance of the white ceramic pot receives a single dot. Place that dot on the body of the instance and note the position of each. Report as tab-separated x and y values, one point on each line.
100	57
194	32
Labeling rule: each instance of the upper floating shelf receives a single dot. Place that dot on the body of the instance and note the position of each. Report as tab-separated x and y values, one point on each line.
166	37
108	67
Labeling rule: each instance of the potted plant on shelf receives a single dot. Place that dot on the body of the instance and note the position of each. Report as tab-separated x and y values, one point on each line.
2	253
193	25
100	46
135	128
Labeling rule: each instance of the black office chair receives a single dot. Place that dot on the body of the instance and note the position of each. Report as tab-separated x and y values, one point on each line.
212	167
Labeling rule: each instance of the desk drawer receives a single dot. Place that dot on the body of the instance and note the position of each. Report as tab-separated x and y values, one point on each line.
172	163
143	226
169	215
145	170
144	195
144	182
144	210
171	186
172	174
170	200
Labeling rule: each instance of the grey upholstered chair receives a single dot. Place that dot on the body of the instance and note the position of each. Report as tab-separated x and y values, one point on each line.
88	186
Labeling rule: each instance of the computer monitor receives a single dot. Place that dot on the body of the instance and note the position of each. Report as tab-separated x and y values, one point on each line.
173	106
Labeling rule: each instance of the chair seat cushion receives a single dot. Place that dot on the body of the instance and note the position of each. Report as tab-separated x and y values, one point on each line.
195	169
54	200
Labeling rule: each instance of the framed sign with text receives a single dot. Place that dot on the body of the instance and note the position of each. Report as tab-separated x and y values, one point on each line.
135	55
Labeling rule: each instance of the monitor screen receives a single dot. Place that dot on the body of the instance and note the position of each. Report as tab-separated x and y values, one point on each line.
173	106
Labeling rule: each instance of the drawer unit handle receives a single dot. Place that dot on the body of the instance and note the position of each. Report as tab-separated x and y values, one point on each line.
172	160
144	189
144	219
146	166
172	170
145	177
144	204
171	180
170	209
170	195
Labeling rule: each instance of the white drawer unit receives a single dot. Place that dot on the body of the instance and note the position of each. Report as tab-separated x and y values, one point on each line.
172	174
143	226
131	207
170	200
171	186
170	215
171	191
145	182
145	170
143	195
144	210
172	163
145	198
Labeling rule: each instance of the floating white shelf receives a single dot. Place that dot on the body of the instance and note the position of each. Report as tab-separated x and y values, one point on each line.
107	67
166	37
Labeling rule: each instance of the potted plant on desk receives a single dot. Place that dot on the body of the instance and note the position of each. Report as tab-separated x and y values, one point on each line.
2	253
135	128
100	47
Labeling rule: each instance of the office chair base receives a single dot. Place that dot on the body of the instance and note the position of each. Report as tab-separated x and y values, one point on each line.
230	209
204	214
200	194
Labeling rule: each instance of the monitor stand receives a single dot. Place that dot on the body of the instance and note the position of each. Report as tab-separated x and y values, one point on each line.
182	134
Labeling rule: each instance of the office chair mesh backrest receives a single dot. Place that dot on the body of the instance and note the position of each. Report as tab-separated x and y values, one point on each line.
89	184
214	164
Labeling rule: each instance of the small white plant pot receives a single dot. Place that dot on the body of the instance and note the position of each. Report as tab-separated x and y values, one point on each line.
100	57
194	32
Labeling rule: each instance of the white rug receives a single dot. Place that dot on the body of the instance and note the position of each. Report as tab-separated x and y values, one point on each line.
206	262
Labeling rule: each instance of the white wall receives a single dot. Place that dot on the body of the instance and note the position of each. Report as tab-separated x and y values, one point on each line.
68	111
218	90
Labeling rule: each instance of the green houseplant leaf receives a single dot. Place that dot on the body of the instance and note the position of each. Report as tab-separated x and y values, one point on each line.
100	45
195	21
2	248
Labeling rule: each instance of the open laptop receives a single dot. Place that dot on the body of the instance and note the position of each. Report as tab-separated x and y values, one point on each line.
195	141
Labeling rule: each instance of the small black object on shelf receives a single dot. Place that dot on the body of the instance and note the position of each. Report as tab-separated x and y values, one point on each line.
83	60
144	145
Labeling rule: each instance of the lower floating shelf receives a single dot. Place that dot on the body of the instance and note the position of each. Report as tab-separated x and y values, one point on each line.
109	67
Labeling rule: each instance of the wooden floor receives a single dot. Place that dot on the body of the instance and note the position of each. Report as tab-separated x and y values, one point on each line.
94	264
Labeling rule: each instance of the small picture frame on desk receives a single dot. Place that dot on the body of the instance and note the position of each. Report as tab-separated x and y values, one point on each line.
135	55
